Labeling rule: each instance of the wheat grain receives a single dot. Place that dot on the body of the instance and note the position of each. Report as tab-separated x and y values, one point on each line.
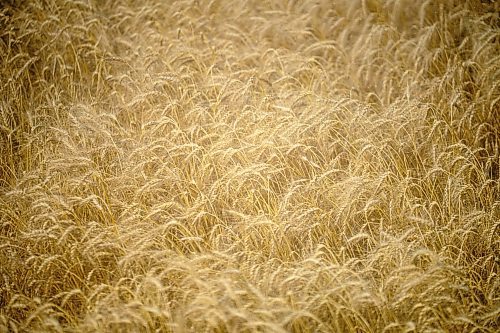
254	166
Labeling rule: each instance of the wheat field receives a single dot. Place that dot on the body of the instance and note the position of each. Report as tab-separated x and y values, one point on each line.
249	166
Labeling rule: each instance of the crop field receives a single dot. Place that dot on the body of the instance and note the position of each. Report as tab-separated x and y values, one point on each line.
249	166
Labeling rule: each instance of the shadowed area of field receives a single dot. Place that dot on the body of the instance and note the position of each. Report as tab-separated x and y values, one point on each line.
249	166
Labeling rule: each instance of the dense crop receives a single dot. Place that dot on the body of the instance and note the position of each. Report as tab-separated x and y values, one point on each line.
249	166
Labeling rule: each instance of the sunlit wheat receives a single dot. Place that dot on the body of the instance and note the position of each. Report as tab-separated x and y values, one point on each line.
249	166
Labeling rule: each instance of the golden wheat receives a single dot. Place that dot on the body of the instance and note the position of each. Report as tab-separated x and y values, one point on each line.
278	166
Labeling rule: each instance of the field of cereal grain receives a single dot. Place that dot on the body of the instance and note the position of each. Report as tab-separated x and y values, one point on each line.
249	166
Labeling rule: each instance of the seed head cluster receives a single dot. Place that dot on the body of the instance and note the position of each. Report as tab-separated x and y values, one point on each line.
249	166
